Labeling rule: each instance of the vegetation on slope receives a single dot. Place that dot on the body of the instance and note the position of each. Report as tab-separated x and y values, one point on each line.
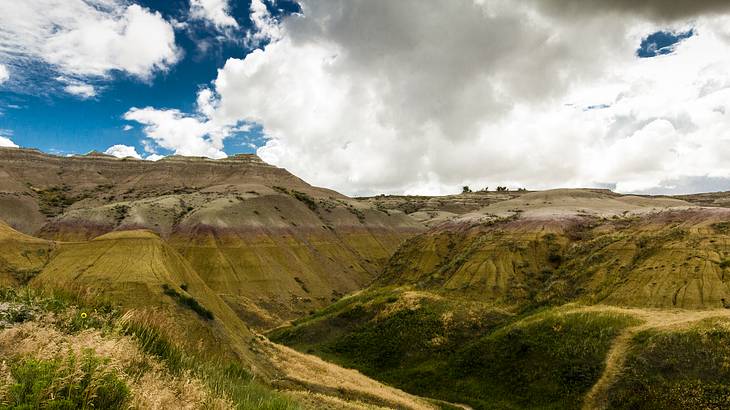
462	351
86	380
68	383
676	369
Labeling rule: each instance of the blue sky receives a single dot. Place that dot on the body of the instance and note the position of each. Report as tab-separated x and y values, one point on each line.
61	123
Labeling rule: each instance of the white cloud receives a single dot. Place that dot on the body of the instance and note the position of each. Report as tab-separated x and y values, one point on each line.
127	127
154	157
4	73
83	91
370	96
87	38
182	134
266	28
6	142
122	151
216	12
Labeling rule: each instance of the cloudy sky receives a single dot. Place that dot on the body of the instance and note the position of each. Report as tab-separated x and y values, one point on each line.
381	96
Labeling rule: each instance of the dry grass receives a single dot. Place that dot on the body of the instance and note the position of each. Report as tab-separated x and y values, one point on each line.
317	401
307	372
152	386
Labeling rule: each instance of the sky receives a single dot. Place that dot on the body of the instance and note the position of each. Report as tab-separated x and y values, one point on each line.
380	96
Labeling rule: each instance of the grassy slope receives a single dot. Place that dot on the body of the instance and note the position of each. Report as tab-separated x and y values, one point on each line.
676	369
70	353
133	268
21	256
462	351
180	321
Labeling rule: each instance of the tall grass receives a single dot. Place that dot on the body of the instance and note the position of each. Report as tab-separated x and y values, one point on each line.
36	381
71	383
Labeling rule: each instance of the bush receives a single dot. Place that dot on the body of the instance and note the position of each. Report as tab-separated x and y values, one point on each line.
306	199
188	301
66	384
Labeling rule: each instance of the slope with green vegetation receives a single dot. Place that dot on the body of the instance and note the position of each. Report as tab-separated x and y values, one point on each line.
69	353
463	350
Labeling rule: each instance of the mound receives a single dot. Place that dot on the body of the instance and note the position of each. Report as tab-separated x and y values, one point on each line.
648	257
21	256
140	271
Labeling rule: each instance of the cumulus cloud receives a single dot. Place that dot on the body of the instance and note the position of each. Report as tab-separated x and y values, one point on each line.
7	142
381	96
83	91
87	38
180	133
214	11
654	9
122	151
266	28
154	157
4	73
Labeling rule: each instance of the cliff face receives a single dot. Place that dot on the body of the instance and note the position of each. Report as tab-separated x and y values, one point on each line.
271	245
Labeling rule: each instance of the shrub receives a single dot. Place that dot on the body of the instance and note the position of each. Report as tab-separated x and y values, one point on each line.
306	199
188	301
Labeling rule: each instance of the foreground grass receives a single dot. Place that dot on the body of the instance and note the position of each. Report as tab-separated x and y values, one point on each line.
463	352
69	383
85	382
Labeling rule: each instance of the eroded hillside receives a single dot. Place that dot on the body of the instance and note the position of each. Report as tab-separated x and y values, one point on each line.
272	246
555	299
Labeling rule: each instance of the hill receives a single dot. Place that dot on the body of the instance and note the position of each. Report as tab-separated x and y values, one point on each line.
555	299
272	246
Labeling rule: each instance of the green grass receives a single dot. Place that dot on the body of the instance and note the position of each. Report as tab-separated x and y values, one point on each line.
549	360
71	383
480	356
73	312
686	369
